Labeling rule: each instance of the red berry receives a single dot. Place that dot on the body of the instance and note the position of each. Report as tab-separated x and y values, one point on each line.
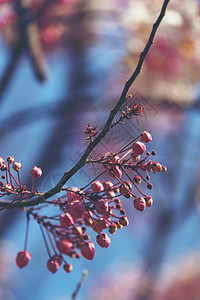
23	258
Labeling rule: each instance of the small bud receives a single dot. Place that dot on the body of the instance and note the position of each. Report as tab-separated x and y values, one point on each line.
137	179
125	189
124	221
36	172
103	240
57	258
101	206
68	268
110	195
23	258
10	159
4	168
108	185
164	168
153	152
77	230
17	166
72	193
66	220
52	265
113	228
146	137
119	226
122	212
97	186
88	250
149	201
8	187
157	167
139	203
138	148
150	186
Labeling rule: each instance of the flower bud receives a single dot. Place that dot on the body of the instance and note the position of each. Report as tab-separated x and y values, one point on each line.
10	160
103	240
52	265
146	137
107	185
71	195
137	179
135	157
124	221
113	228
150	186
138	148
66	220
57	258
110	195
17	166
36	172
2	162
125	189
139	203
23	258
68	268
97	186
8	187
64	246
76	210
149	201
115	172
88	250
157	167
164	168
101	206
77	230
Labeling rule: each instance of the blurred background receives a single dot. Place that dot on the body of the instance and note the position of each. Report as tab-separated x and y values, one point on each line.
63	64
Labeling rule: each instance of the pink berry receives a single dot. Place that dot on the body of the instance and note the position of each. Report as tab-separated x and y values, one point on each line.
139	148
146	137
36	172
103	240
139	203
17	166
88	250
52	265
23	258
66	220
97	186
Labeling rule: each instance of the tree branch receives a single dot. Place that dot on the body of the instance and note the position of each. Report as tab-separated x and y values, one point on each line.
67	175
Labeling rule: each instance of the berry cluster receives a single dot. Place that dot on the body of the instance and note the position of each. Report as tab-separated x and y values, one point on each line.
97	205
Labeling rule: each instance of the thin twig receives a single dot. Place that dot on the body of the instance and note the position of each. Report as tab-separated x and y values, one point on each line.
67	175
84	275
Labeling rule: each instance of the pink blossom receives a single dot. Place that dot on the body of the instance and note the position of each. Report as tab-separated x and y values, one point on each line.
97	186
76	210
36	172
146	137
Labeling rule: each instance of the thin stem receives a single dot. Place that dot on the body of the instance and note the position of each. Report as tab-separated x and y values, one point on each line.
84	275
